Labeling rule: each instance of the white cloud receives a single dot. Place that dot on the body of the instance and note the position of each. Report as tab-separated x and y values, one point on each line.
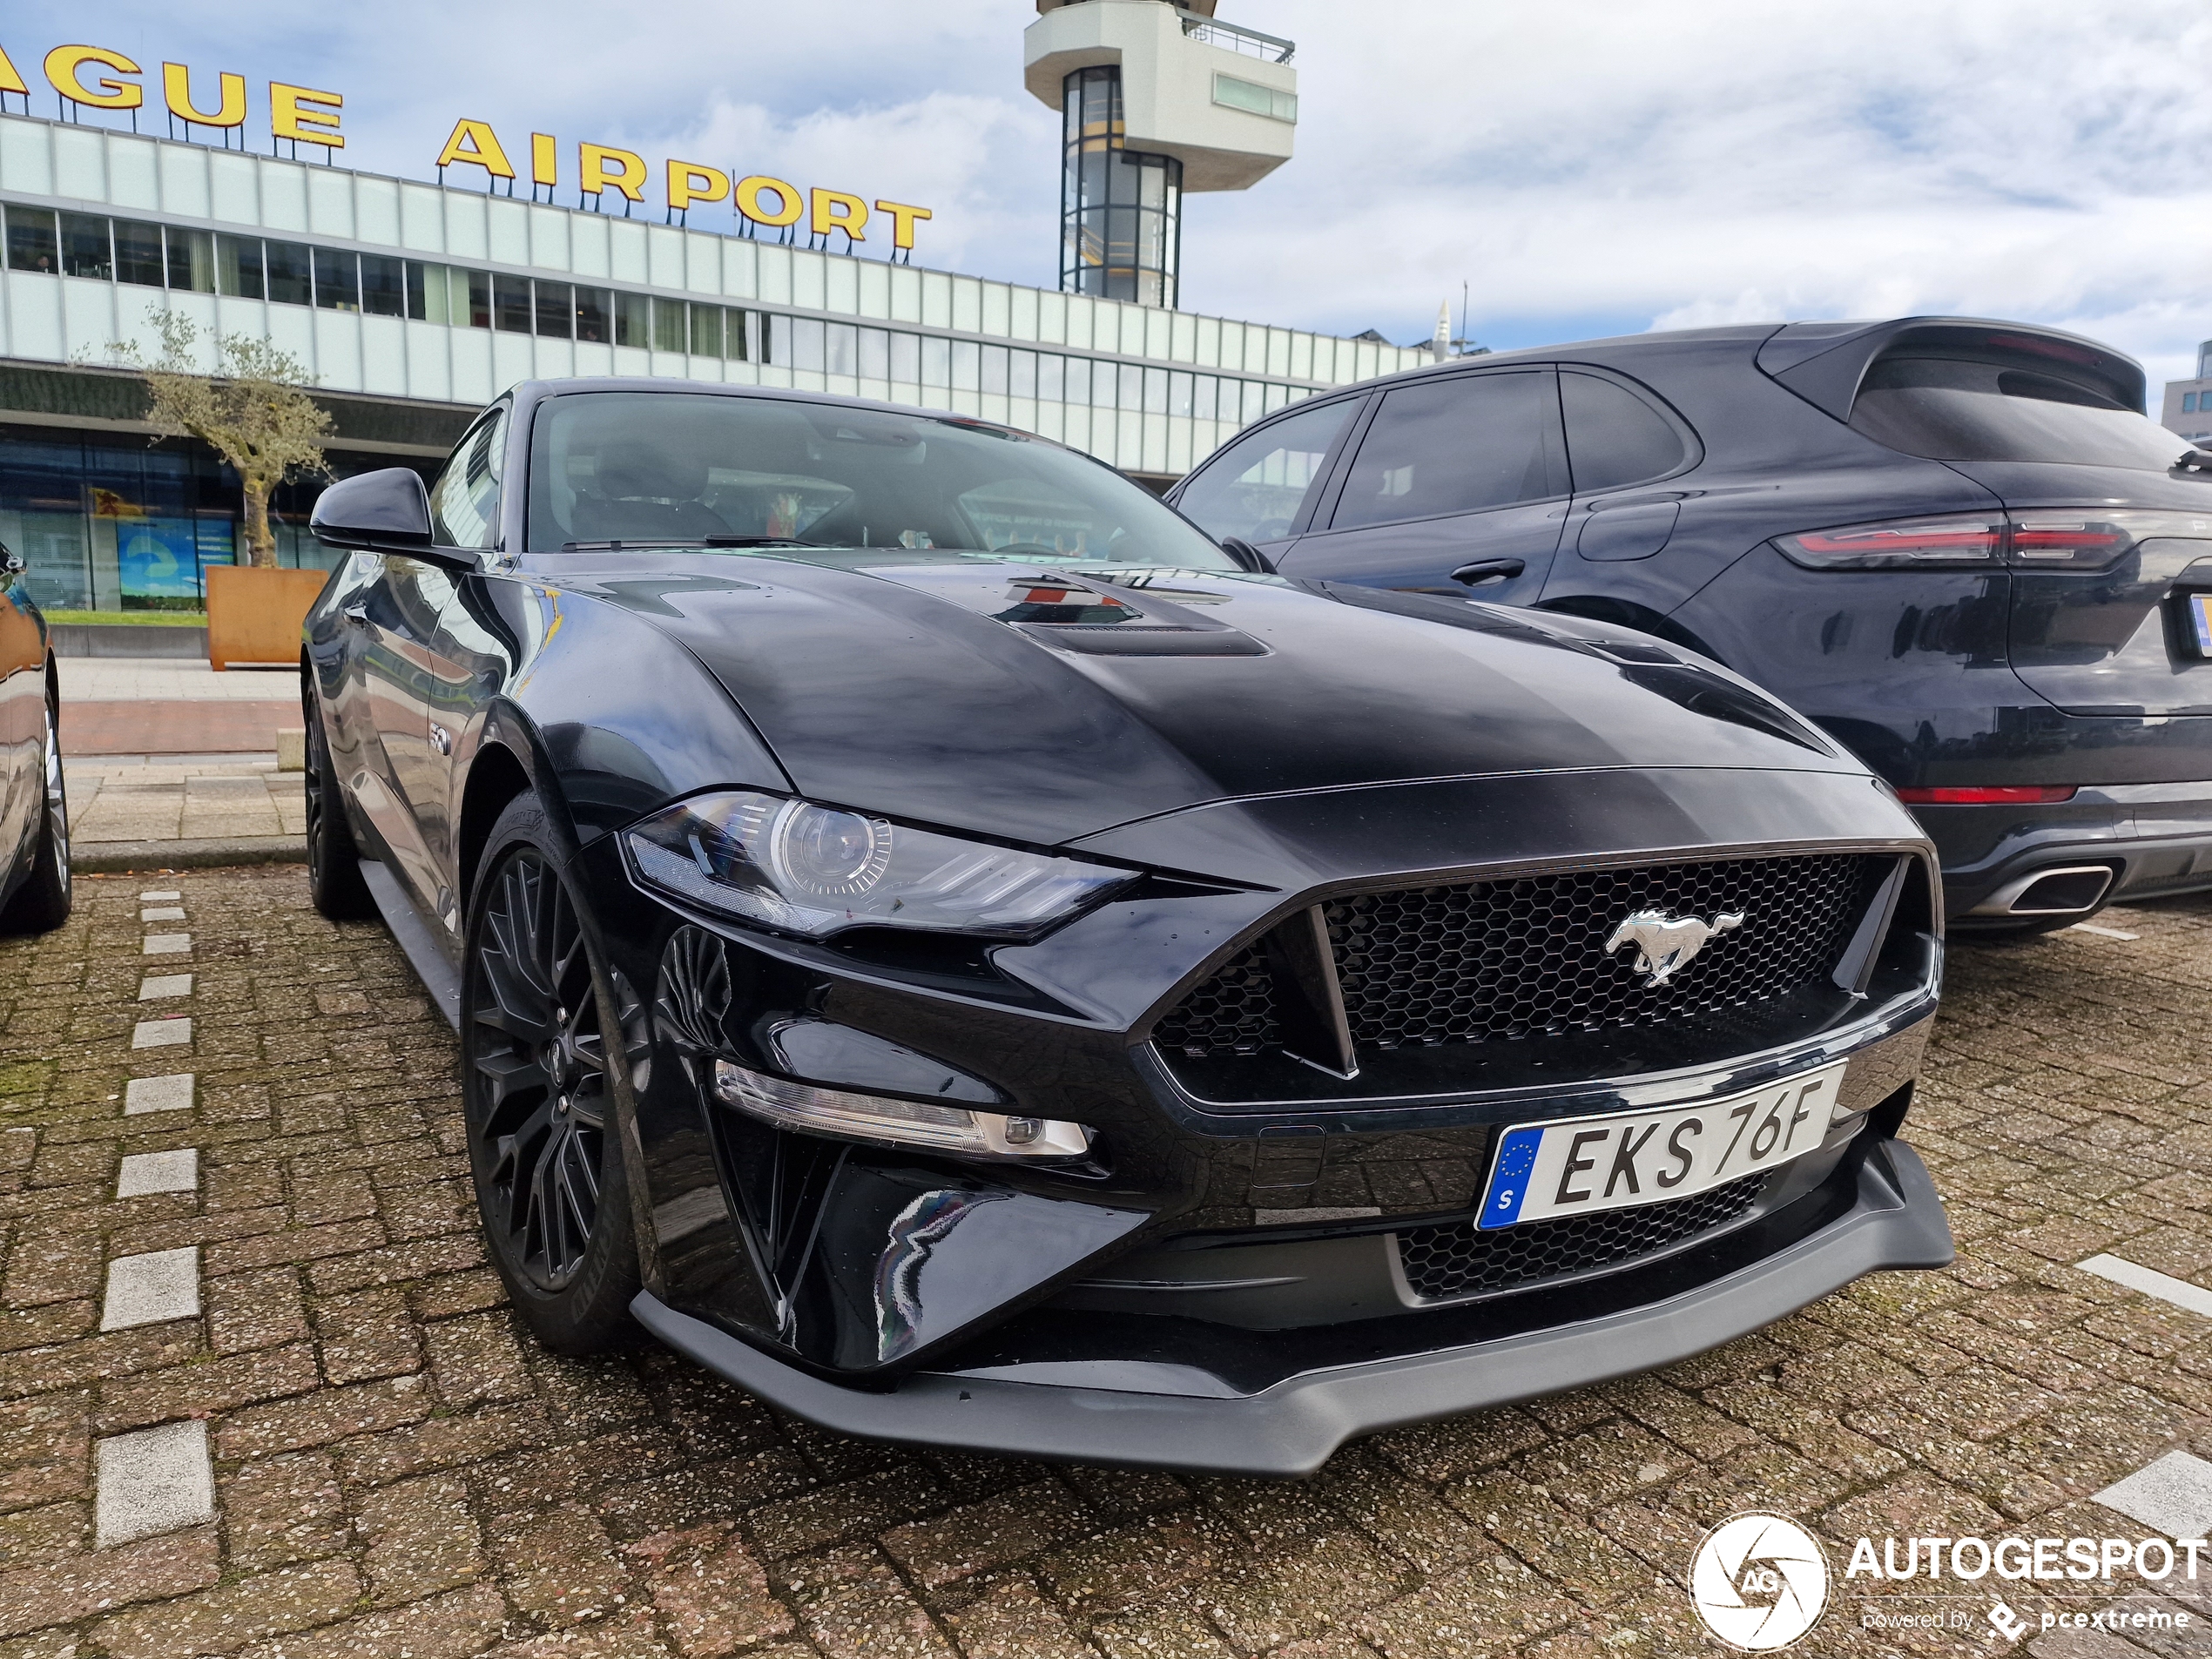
1596	168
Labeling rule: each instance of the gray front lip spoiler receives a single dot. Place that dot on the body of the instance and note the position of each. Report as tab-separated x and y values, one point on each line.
1292	1428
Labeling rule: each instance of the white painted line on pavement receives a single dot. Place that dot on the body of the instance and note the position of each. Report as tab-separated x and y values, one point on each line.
161	1033
159	1286
150	897
144	1172
153	986
152	1481
169	1093
2102	933
2171	1495
162	913
167	944
2151	1282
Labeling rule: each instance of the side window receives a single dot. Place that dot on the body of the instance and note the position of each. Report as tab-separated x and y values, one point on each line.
1614	437
1260	483
1457	444
464	502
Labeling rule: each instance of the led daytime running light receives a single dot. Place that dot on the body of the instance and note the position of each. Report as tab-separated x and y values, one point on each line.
811	1110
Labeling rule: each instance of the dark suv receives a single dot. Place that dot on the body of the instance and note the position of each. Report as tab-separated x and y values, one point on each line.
1959	545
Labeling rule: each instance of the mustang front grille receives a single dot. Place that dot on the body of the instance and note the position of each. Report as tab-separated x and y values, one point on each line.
1494	961
1461	1259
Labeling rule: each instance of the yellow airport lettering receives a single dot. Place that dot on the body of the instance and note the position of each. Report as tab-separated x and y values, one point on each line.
692	181
902	221
475	143
294	113
790	204
628	175
64	70
230	109
826	218
98	78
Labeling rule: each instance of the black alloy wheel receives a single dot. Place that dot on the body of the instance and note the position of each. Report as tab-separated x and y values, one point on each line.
540	1095
540	1070
41	902
333	861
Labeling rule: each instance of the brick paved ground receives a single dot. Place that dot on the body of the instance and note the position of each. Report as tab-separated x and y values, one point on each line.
397	1473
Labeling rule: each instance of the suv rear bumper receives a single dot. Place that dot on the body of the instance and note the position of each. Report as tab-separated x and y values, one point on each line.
1164	1415
2156	837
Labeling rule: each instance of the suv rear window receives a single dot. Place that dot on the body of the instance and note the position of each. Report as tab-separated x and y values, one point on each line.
1948	409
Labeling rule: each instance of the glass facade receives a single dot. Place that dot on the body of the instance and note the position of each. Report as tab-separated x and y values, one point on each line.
1121	212
109	523
438	298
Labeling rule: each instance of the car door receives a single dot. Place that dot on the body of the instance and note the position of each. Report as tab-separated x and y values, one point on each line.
396	619
399	788
22	709
1459	485
1263	486
471	655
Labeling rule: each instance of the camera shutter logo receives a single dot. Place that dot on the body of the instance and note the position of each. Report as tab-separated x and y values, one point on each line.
1759	1582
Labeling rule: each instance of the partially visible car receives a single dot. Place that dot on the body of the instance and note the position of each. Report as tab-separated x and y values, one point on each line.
35	883
939	943
1957	545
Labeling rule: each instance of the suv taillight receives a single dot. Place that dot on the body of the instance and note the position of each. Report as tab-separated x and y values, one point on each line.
2087	539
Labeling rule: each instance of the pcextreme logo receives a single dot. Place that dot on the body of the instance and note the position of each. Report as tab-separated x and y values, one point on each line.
1759	1582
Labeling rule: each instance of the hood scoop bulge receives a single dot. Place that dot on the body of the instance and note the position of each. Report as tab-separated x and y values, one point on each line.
1075	616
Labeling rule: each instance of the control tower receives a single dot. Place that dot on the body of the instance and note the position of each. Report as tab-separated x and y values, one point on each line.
1156	99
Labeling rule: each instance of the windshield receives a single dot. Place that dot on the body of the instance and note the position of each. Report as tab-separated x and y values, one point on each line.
656	467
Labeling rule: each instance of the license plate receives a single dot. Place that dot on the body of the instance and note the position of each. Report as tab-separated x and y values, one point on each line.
1588	1163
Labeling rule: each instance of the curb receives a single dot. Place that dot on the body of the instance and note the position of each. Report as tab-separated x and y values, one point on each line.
110	858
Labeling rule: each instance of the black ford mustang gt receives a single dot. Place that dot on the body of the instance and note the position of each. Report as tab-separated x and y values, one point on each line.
940	943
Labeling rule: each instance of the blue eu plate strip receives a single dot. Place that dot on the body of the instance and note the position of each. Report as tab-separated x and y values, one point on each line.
2201	614
1510	1182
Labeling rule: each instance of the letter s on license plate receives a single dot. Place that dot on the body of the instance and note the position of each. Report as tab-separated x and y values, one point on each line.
1587	1164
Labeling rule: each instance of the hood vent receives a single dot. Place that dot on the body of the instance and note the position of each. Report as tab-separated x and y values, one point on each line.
1073	616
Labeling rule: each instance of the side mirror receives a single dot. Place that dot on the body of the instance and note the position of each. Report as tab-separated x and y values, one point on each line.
386	511
1248	557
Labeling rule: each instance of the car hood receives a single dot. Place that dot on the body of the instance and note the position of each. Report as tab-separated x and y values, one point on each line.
1040	705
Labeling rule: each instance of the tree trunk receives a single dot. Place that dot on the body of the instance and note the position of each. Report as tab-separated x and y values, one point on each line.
260	541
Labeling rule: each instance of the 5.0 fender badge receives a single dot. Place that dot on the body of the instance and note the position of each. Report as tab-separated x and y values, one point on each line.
1666	944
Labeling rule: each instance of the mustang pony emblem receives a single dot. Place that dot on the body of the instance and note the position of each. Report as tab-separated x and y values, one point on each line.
1666	944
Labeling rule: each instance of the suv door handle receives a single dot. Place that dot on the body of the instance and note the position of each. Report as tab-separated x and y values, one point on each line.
1484	572
356	613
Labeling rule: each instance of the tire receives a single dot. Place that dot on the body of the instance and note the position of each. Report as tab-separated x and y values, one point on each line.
40	903
538	1095
333	861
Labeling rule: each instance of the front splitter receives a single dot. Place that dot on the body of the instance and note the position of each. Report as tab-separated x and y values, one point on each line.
1292	1428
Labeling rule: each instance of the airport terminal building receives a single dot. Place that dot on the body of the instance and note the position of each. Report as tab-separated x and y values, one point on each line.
414	304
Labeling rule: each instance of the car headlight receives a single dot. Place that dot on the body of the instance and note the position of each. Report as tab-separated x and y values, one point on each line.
815	870
816	1111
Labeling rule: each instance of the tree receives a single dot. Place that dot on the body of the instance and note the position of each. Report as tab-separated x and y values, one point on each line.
252	411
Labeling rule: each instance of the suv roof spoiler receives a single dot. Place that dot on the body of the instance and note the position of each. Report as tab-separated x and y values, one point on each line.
1824	362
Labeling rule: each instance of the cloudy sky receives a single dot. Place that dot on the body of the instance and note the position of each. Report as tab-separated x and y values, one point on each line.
1600	168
